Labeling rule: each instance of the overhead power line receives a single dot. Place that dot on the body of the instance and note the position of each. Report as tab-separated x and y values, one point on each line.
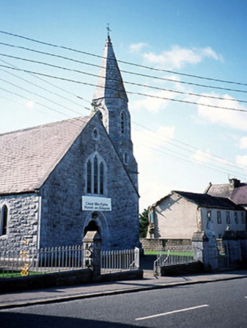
129	92
189	148
125	82
121	61
123	71
49	83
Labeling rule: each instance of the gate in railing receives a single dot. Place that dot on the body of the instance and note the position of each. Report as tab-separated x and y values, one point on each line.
172	256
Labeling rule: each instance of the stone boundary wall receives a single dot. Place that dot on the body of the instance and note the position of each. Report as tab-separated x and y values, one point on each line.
154	243
181	269
69	278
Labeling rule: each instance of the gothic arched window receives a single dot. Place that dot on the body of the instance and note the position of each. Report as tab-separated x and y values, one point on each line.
96	175
4	220
89	176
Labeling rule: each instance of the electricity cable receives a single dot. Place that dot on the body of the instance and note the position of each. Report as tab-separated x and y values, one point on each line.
120	61
129	92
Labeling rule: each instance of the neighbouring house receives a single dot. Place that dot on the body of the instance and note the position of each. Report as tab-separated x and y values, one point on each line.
234	190
180	214
62	179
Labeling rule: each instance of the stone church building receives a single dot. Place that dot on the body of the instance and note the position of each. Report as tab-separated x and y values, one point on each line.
60	180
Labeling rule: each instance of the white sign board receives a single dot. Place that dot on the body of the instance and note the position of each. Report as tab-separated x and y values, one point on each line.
90	203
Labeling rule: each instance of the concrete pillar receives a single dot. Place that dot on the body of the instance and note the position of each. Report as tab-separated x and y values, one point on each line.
205	250
92	251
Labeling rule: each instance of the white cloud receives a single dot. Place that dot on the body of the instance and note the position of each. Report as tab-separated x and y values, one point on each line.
30	104
201	156
241	160
177	57
137	47
146	142
243	143
154	102
230	118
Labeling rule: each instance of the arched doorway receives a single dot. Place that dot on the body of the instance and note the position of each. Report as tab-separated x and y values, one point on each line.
96	221
92	226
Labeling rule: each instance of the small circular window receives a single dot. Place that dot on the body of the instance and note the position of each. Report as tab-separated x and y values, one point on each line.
95	134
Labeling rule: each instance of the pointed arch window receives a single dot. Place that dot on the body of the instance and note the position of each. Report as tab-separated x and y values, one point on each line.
4	220
96	175
89	176
101	178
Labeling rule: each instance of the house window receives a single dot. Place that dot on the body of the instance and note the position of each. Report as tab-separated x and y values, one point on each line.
4	220
151	217
123	122
242	217
96	175
219	217
228	221
236	217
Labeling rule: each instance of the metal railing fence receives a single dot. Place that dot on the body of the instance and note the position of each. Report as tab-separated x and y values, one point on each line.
120	260
173	255
54	259
44	260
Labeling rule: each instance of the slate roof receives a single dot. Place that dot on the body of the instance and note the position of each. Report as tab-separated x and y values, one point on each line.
238	194
205	200
28	156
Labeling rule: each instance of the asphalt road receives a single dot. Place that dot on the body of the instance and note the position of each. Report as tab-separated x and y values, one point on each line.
216	304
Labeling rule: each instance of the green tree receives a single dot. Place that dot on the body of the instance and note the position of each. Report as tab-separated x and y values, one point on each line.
143	220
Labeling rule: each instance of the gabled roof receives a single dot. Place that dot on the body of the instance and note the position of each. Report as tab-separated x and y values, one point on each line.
28	156
235	190
110	83
205	200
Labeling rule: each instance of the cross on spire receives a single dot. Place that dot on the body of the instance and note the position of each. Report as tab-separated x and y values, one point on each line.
108	29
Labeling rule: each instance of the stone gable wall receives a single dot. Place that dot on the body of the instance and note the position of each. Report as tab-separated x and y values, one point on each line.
63	221
23	220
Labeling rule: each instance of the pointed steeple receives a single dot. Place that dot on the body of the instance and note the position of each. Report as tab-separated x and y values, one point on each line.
110	83
111	100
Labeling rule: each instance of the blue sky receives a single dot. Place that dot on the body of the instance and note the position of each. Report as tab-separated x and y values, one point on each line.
178	145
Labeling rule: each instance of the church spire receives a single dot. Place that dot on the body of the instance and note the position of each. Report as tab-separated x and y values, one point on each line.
110	83
111	100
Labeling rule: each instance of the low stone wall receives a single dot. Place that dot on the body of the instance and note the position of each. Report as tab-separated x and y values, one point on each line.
182	269
153	244
75	277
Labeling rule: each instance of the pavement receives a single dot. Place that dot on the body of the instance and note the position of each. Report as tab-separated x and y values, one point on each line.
149	282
